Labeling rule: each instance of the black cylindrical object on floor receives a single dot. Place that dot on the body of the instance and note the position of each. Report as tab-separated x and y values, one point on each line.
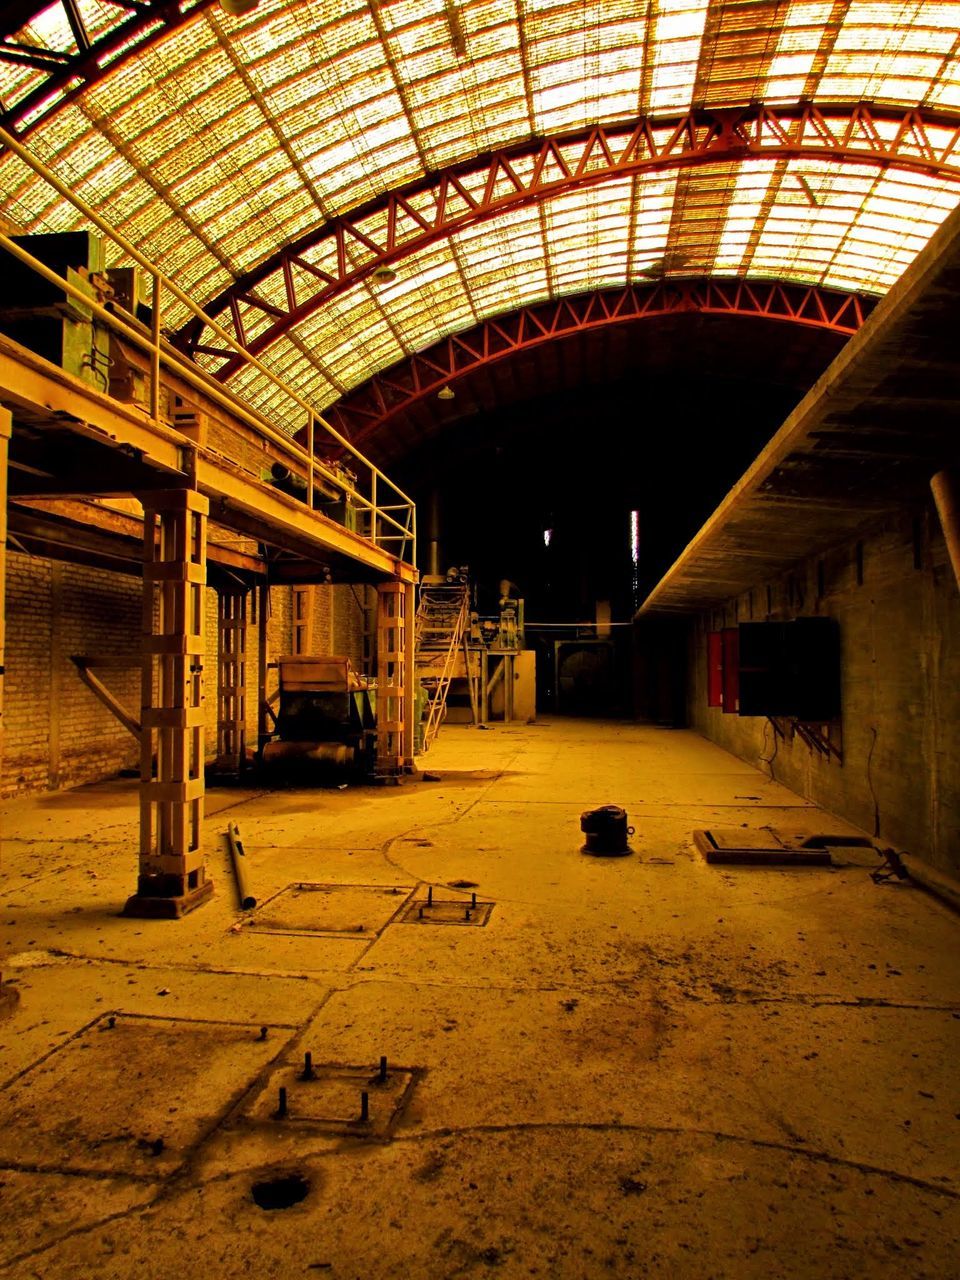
605	829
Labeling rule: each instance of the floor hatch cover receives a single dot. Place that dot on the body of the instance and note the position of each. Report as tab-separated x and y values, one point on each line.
766	847
358	910
129	1094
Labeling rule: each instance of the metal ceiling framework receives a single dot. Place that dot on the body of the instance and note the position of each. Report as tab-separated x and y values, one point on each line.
91	54
386	231
372	406
491	156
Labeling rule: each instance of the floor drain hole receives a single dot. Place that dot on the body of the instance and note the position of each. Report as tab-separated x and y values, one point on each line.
280	1193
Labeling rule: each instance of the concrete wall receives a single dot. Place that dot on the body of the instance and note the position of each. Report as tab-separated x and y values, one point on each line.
57	734
898	607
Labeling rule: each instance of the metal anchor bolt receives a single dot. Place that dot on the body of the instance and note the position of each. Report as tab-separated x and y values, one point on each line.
282	1104
308	1072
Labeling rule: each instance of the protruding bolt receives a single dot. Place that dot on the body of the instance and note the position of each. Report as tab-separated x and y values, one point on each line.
466	913
473	900
420	913
282	1104
263	1033
430	896
308	1071
364	1107
383	1068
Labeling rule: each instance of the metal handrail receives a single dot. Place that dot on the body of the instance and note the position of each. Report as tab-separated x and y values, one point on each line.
163	354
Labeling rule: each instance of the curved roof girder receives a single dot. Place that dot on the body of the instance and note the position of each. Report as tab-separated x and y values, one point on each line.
368	408
69	72
382	232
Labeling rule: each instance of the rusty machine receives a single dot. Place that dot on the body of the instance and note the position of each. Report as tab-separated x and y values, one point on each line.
325	721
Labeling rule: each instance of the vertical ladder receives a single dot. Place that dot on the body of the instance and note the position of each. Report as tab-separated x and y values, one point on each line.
441	625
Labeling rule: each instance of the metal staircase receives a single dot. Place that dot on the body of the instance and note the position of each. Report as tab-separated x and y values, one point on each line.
441	625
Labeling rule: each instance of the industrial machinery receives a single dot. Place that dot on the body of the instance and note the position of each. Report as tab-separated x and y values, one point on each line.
326	722
41	316
473	667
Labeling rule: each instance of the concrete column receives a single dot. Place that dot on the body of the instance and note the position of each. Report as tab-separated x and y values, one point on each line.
263	621
232	679
172	876
409	675
391	670
8	995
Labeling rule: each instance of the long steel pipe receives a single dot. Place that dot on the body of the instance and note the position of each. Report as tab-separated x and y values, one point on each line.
239	861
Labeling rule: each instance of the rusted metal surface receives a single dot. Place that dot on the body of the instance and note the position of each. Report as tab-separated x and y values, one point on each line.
368	409
384	231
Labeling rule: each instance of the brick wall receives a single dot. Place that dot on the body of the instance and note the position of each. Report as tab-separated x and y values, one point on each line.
57	733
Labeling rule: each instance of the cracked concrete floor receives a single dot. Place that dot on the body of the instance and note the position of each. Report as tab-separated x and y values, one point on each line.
641	1066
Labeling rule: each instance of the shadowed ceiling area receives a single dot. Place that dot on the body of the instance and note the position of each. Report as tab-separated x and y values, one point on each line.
574	435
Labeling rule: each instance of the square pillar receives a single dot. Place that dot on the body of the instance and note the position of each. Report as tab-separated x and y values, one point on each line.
232	680
8	995
409	677
391	680
172	876
263	706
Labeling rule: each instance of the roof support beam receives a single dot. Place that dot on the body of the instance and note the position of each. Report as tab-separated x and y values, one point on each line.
374	404
346	251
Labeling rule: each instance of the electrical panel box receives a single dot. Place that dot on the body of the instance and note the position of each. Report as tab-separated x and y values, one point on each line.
790	669
715	669
730	681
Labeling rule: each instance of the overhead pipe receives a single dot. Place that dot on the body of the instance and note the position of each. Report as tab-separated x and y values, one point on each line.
433	536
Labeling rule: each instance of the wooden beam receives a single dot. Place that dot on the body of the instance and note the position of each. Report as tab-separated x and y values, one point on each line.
100	691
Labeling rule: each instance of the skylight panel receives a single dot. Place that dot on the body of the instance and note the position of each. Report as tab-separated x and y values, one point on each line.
677	38
743	212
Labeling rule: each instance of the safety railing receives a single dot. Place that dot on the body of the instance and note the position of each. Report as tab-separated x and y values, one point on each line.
388	515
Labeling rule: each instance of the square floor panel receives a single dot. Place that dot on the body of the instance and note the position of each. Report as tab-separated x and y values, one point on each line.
332	1100
134	1097
360	910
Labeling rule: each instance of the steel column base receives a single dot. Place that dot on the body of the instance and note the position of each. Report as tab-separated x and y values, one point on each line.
152	906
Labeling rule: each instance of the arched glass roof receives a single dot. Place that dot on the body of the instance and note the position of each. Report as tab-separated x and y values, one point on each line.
214	142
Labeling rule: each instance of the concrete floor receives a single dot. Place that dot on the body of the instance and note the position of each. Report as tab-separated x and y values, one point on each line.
640	1067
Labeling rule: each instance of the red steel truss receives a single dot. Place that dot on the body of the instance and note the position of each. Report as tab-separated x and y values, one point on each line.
69	71
348	250
367	409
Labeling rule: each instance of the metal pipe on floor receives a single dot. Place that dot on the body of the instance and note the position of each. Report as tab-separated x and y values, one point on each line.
946	494
239	860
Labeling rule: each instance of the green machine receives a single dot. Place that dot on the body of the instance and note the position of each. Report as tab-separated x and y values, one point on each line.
45	319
